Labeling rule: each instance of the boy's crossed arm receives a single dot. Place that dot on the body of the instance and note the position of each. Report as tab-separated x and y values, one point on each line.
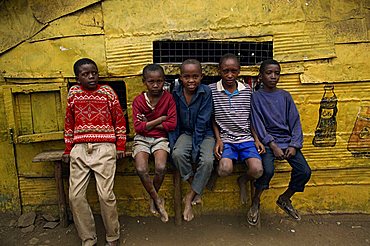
156	123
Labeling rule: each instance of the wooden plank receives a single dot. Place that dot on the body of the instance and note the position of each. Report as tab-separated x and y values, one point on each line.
44	112
60	111
57	135
36	191
23	113
30	88
9	112
26	152
63	101
54	155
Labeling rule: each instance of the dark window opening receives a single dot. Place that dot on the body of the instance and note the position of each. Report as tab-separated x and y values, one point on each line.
120	88
249	53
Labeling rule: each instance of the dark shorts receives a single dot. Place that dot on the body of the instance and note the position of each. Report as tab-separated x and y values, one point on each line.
240	151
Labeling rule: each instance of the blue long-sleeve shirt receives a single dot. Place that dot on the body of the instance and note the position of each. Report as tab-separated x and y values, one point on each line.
193	119
275	118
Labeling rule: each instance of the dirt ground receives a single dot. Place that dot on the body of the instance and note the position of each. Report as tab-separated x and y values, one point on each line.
212	230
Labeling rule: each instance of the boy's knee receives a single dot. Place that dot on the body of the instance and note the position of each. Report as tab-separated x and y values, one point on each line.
75	198
225	167
269	173
255	172
106	197
160	170
225	171
207	162
307	173
177	154
142	170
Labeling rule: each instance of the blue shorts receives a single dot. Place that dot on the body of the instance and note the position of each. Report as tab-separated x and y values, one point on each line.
240	151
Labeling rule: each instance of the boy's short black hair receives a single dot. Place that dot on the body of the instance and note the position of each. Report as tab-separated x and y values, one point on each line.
268	62
227	57
190	61
80	62
152	68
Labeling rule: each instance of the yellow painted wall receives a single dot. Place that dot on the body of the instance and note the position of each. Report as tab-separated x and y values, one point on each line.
316	41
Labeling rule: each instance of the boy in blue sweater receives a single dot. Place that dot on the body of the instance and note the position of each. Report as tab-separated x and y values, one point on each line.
275	119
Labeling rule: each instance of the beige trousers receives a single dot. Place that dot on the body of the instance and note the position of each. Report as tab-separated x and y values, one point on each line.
100	159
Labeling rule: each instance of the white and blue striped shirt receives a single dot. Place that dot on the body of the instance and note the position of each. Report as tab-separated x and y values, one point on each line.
232	112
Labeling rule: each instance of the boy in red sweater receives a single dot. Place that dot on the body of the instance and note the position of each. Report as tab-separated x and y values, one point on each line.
154	113
95	136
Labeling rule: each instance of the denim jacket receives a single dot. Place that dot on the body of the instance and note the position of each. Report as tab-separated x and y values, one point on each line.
193	119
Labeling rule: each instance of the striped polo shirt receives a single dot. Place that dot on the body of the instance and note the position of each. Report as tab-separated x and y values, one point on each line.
232	112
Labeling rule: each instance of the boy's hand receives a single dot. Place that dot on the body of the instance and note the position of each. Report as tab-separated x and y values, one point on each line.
260	147
290	152
65	158
142	117
120	154
219	147
278	153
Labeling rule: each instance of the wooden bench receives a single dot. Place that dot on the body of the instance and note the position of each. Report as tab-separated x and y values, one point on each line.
55	156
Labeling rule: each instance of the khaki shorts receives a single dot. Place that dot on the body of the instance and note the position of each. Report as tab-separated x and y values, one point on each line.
149	144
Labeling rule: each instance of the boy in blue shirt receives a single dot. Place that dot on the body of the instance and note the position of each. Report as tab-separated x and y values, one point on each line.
275	119
193	139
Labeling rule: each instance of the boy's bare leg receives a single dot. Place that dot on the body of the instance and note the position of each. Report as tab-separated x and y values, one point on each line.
255	170
188	210
160	159
253	213
141	165
196	200
225	167
152	207
242	182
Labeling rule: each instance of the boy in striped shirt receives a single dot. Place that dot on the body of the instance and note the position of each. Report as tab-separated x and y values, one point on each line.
234	136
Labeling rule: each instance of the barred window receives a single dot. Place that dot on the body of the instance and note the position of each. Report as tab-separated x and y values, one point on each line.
249	53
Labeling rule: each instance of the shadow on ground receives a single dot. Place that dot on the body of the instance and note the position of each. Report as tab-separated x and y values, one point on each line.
212	230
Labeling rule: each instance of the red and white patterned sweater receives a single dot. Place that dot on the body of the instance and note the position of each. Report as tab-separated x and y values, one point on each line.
94	116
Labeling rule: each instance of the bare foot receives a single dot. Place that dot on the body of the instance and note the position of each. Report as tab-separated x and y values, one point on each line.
152	208
243	190
188	210
162	210
197	200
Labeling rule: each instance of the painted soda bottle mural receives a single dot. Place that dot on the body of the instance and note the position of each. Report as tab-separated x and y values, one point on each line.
359	141
325	134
